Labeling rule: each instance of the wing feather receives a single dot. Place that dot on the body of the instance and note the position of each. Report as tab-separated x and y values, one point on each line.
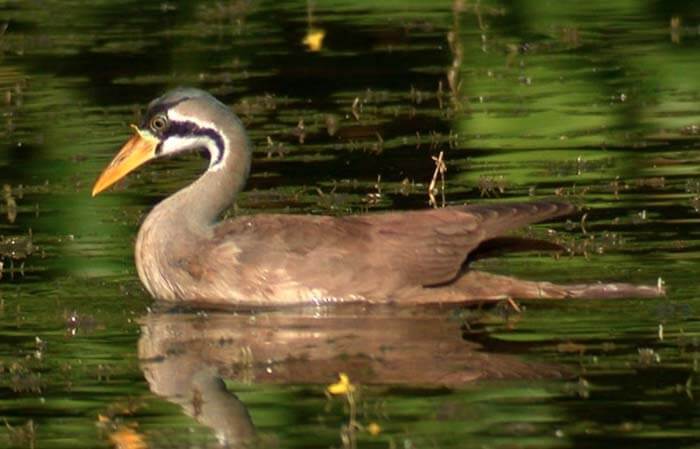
374	252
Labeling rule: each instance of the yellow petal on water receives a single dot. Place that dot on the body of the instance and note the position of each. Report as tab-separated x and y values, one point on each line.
374	429
343	386
314	39
126	438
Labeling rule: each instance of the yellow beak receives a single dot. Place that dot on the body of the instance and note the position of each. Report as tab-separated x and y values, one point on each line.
138	150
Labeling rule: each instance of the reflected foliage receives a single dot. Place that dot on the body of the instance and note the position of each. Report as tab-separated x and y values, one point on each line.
349	105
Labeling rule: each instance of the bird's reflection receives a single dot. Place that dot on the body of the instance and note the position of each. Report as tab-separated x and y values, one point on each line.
186	355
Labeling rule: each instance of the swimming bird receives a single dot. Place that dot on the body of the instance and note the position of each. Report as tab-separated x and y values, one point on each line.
185	253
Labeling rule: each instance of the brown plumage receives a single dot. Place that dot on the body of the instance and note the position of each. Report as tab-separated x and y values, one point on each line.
182	253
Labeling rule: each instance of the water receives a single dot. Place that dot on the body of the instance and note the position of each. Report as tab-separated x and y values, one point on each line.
595	103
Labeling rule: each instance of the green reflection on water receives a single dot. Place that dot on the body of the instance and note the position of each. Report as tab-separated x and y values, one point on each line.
595	101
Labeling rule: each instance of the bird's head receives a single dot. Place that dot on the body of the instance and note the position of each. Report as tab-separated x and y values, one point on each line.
183	119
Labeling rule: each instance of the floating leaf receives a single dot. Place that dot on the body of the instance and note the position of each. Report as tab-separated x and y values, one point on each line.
374	429
126	438
314	39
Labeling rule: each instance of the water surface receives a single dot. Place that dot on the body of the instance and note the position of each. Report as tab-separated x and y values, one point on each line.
348	104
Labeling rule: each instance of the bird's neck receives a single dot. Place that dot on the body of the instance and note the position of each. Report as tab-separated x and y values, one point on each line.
198	206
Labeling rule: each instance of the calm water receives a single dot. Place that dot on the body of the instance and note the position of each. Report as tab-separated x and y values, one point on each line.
347	103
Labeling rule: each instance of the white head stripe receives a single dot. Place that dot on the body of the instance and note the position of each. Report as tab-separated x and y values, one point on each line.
177	143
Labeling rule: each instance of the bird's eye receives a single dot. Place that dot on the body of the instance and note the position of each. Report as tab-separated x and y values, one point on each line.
159	123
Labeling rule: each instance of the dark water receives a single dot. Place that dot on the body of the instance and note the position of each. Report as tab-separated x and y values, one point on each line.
596	102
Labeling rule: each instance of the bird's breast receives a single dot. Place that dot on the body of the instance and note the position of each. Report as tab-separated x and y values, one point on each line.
151	256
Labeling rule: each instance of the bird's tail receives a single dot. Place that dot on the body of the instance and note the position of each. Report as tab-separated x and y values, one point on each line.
479	286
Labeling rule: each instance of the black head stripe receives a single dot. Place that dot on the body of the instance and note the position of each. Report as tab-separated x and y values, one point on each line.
191	129
159	108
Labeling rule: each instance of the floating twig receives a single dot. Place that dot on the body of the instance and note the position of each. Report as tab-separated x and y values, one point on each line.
440	169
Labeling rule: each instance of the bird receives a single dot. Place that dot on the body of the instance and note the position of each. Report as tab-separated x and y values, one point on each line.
185	253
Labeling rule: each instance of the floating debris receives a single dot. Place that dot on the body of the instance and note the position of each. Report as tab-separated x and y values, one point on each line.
24	436
314	39
300	131
314	35
331	122
342	387
356	107
10	203
647	356
571	347
675	29
348	432
127	438
374	429
492	185
440	169
16	248
275	148
373	198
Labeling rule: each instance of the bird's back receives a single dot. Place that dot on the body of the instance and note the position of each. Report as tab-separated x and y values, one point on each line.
299	258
